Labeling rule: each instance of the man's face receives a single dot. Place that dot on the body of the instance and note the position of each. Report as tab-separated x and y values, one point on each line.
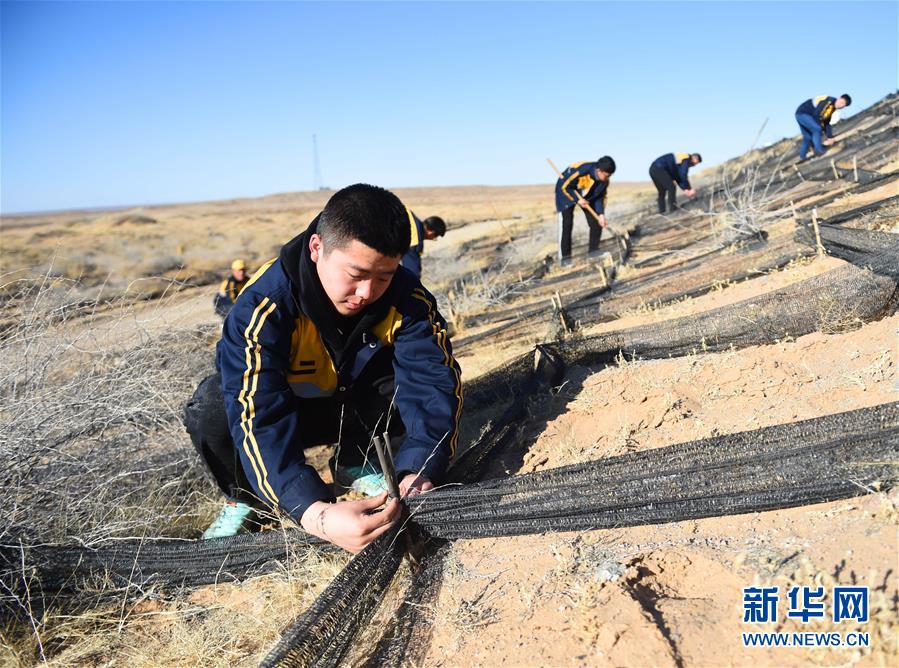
840	103
694	160
352	277
602	176
430	234
239	274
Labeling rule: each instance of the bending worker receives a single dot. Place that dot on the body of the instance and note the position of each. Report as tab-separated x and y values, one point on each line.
323	341
671	168
231	288
814	116
428	229
584	184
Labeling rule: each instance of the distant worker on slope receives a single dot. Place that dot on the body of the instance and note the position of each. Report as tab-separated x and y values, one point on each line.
231	288
324	342
814	116
583	184
671	168
429	228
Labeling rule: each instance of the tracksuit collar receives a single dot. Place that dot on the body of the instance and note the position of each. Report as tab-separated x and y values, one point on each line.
341	335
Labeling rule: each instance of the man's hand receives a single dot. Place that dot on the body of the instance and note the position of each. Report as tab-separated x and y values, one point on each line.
690	192
412	484
582	202
602	220
351	524
829	141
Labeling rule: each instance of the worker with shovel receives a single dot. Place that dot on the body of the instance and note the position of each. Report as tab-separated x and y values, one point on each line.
585	184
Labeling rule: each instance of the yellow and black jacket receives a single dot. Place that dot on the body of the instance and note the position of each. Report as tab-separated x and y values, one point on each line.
820	108
231	287
580	178
279	346
224	299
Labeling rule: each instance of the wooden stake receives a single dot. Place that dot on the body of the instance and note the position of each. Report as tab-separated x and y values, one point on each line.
801	178
817	232
564	324
833	166
452	312
602	276
558	299
855	167
793	207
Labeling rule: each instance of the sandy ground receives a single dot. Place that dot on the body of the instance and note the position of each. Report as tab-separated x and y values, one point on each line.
671	595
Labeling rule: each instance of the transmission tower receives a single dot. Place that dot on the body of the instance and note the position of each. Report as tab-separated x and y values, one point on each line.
317	170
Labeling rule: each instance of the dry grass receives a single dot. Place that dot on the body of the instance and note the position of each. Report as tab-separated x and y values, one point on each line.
91	408
219	625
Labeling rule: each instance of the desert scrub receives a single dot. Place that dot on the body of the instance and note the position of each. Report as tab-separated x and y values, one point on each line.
91	394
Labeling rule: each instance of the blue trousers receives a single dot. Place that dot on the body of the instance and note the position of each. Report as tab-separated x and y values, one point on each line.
811	133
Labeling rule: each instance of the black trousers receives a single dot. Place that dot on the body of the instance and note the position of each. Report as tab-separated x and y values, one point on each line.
350	421
665	186
566	223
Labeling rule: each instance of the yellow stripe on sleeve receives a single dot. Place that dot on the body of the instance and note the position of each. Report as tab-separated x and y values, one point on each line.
250	382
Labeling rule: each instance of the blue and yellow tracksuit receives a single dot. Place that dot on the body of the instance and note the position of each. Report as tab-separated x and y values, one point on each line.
666	171
821	108
282	346
813	117
412	259
580	179
676	165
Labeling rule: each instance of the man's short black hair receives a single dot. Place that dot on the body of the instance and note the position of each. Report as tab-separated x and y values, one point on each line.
697	156
368	214
435	224
606	164
846	97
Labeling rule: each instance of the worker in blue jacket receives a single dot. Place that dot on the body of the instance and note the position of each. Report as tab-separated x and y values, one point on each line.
428	229
814	116
582	184
319	346
671	168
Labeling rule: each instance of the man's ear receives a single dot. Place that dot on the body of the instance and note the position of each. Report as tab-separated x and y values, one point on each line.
316	247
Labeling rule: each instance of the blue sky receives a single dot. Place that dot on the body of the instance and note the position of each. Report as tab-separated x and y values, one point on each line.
134	103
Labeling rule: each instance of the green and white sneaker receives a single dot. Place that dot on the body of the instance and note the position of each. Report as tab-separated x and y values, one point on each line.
370	485
230	520
366	479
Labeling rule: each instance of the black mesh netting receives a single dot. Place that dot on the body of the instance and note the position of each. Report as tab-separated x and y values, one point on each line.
322	634
831	302
812	461
59	574
776	467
